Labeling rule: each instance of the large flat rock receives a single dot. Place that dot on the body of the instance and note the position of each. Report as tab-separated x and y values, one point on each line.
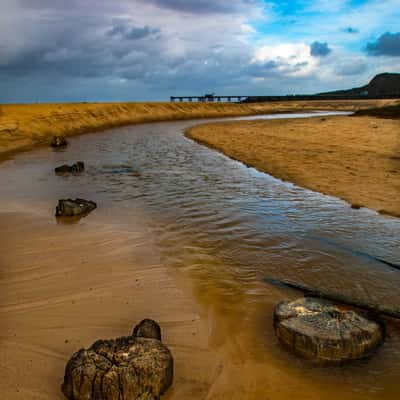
317	329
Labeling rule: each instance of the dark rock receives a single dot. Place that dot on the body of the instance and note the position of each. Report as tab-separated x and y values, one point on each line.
318	330
126	368
147	329
74	208
355	206
76	168
58	141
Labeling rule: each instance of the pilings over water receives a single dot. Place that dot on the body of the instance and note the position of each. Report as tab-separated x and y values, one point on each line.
261	99
209	98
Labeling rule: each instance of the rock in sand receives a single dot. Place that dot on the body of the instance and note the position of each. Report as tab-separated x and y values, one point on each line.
126	368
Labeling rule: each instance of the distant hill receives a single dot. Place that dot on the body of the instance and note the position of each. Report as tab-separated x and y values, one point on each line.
386	84
382	86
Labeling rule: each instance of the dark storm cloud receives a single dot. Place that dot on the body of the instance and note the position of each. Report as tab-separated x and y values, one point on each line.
387	44
117	29
204	6
140	33
122	30
79	47
318	49
271	69
261	70
351	30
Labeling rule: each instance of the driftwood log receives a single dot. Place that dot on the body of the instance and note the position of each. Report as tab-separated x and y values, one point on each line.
338	297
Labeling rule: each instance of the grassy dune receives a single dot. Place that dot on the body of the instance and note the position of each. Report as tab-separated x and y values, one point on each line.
26	125
391	111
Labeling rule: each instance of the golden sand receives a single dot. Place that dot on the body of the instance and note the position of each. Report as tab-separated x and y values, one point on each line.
26	125
62	287
353	158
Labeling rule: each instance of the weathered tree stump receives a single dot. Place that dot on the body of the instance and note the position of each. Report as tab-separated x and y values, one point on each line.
76	168
127	368
318	330
58	142
74	208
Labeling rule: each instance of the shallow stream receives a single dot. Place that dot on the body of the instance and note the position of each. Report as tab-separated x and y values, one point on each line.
228	227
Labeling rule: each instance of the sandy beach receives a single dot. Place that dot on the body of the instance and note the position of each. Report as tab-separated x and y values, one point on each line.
24	126
63	286
199	200
353	158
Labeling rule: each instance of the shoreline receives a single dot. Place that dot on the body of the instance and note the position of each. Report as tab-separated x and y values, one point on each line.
59	295
352	158
25	126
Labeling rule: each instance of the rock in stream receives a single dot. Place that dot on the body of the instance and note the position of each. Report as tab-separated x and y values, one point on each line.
74	208
317	329
58	142
65	169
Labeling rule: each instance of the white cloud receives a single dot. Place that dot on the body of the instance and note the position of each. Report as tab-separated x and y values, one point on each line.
293	59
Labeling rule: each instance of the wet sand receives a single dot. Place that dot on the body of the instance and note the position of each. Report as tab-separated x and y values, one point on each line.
24	126
64	286
354	158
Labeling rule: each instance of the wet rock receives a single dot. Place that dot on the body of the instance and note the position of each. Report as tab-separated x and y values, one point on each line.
58	142
74	208
148	329
318	330
65	169
126	368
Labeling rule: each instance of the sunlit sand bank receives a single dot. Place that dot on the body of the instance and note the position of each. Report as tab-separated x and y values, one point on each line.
353	158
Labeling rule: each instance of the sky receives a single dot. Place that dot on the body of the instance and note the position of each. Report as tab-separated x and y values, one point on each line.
148	50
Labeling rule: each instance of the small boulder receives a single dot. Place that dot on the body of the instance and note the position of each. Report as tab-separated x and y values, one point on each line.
74	208
318	330
58	141
65	169
126	368
148	329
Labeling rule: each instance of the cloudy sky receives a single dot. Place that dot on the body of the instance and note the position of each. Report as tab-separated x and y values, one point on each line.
112	50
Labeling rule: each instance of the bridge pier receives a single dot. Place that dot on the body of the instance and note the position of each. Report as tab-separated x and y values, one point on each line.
209	98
